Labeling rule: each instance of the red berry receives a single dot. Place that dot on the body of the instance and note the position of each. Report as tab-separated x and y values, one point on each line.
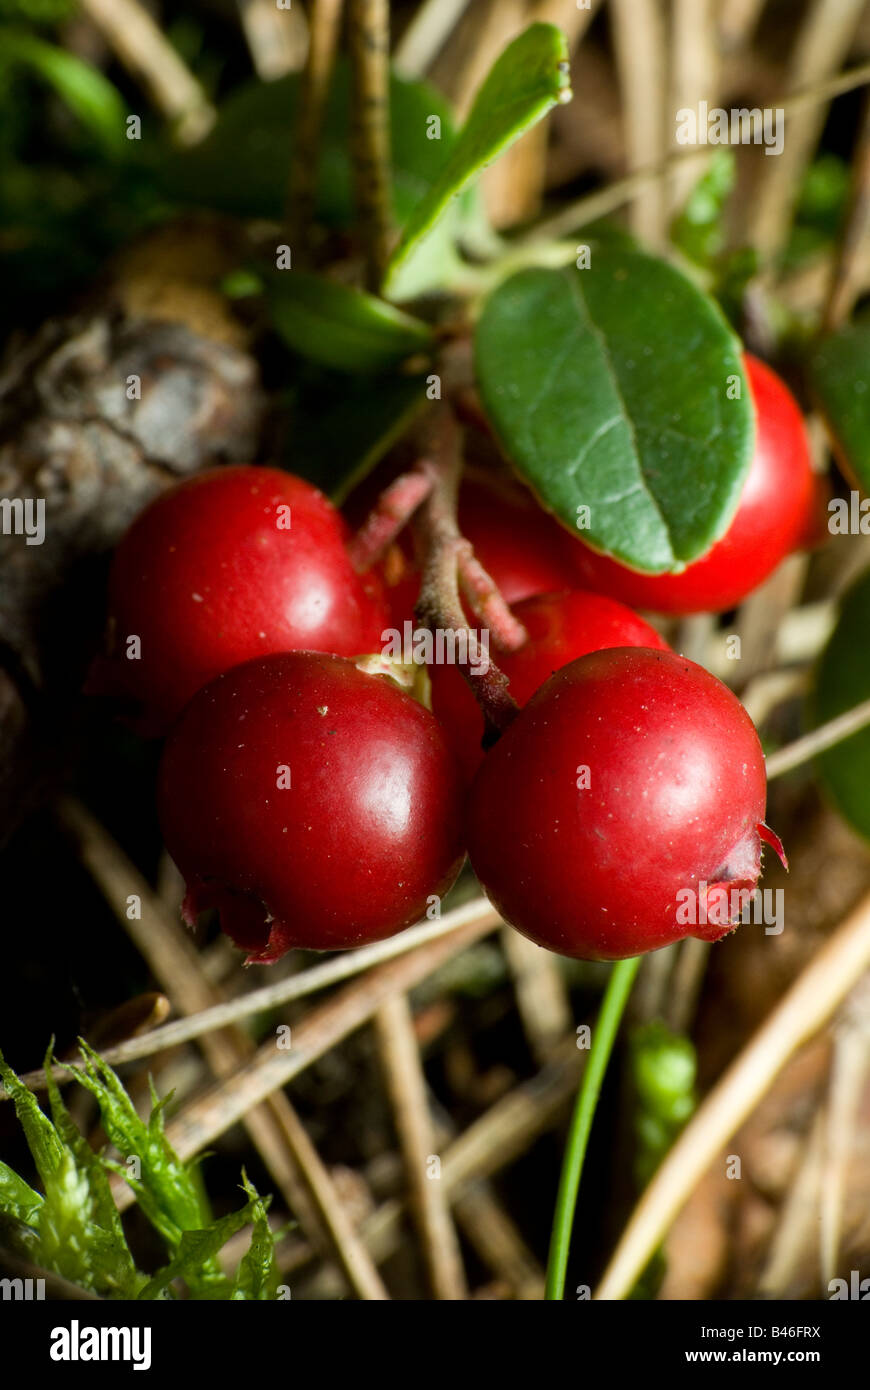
401	581
311	804
627	797
561	627
775	516
231	564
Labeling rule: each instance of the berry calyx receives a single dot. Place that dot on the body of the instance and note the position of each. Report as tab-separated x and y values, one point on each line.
560	627
623	809
777	514
231	564
311	804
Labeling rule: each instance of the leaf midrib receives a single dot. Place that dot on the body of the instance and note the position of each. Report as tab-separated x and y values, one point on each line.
601	339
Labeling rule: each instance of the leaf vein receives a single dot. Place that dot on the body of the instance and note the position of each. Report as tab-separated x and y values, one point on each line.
573	280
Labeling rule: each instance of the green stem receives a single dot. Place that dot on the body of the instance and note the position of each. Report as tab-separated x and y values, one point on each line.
612	1006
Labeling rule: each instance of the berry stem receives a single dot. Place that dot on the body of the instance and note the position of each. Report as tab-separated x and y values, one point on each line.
487	603
325	25
440	607
390	514
607	1025
369	31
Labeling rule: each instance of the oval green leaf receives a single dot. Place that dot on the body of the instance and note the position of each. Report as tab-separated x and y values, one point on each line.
842	681
840	379
526	82
342	327
620	388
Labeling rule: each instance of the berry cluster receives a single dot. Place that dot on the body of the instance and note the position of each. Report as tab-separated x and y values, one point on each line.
315	804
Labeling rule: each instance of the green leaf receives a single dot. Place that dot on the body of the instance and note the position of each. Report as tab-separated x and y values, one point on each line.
196	1250
342	327
242	165
257	1275
842	680
526	82
698	230
840	379
434	266
88	94
610	388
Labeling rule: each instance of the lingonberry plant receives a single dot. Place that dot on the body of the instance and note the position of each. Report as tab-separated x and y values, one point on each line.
570	430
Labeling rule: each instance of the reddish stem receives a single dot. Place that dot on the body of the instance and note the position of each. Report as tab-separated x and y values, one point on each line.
486	601
440	606
392	512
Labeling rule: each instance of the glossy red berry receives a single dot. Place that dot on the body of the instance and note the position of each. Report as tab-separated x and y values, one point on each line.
625	800
313	805
776	515
231	564
561	627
